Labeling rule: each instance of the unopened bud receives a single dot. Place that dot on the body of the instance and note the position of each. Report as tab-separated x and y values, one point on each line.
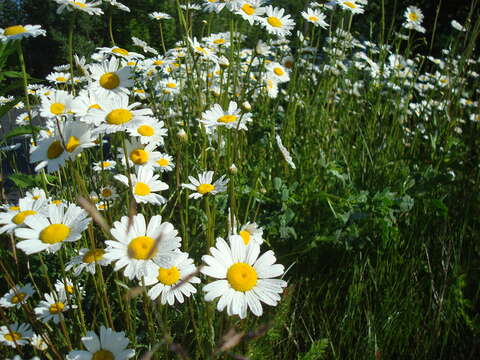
182	135
233	169
246	106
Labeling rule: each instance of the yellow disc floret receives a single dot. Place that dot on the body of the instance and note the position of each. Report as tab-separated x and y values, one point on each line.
54	150
120	51
142	189
139	156
142	248
242	277
103	355
56	308
18	298
14	30
109	81
146	130
168	276
245	236
119	116
274	21
20	217
57	108
227	119
72	144
92	256
205	188
12	336
248	9
163	162
54	233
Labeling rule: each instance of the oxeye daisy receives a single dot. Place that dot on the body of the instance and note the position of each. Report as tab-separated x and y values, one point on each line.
413	19
17	32
277	72
271	86
87	260
218	40
38	342
175	281
13	219
203	185
104	165
66	287
353	6
316	17
52	307
85	102
245	279
58	78
118	5
120	52
251	10
15	334
276	23
110	345
108	193
205	52
17	296
149	131
35	194
156	15
141	248
251	232
88	7
57	103
165	163
232	118
168	86
139	155
108	78
63	224
145	186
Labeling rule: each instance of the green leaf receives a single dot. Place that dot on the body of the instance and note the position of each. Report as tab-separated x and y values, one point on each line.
9	105
21	130
13	74
317	350
23	180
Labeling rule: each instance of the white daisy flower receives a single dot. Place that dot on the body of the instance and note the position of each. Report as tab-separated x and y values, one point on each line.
104	165
140	249
251	10
165	163
15	218
17	296
145	186
110	79
52	308
205	52
118	5
203	185
85	102
149	131
67	288
168	86
354	6
175	281
38	342
276	22
110	345
245	279
35	194
251	232
17	32
15	334
24	118
139	155
108	193
413	19
87	260
156	15
231	118
277	72
57	103
120	52
63	224
58	77
316	17
140	43
88	7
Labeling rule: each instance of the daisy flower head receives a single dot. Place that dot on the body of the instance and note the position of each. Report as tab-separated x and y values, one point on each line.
57	103
58	78
205	52
17	32
91	8
354	6
141	248
139	155
203	185
149	131
87	260
106	165
251	232
143	44
316	17
218	40
62	224
165	163
17	296
156	15
110	345
271	86
38	342
121	53
52	307
85	102
36	194
173	282
15	334
116	114
108	193
251	10
118	5
145	186
413	19
14	217
276	23
244	279
67	287
277	72
232	118
109	78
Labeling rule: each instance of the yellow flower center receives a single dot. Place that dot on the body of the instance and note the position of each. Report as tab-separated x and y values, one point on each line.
248	9
139	91
205	188
56	308
103	355
12	336
158	62
72	144
120	51
92	256
288	64
202	50
57	108
119	116
227	119
350	4
139	156
69	289
36	197
142	248
274	21
142	189
245	236
79	4
54	233
313	18
54	150
109	81
18	298
105	164
95	106
145	130
278	71
163	162
219	41
14	30
106	192
56	202
242	277
14	208
168	276
61	79
171	85
20	217
413	16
